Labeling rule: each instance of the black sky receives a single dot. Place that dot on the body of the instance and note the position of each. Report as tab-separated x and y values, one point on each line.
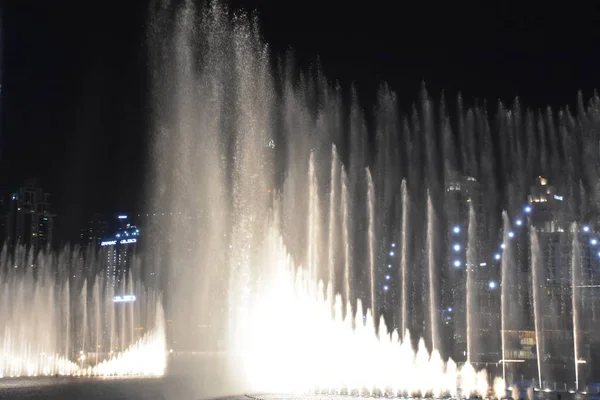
75	77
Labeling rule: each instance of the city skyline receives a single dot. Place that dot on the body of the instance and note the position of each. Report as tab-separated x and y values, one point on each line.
60	73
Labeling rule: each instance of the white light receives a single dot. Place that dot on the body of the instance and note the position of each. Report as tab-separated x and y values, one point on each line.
528	209
389	265
128	298
557	197
599	254
392	253
482	264
387	277
127	241
497	256
122	216
457	263
456	247
108	243
385	288
393	244
511	234
593	242
519	222
456	229
449	309
586	228
492	285
502	246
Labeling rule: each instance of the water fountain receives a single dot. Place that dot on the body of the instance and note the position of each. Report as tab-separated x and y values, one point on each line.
290	194
57	318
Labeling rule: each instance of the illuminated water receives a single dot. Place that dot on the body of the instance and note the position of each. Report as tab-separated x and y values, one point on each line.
282	203
57	317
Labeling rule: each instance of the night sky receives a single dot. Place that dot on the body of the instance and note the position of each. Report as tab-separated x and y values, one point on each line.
75	82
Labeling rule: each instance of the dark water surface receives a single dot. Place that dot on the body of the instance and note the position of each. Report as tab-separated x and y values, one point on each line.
95	389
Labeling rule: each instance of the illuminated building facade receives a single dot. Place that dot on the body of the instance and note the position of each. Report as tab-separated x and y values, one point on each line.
119	250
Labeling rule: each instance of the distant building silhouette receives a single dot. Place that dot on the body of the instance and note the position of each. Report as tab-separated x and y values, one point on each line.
94	232
27	219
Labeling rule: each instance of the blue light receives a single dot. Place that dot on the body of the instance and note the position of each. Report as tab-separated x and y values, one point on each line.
497	256
387	277
492	285
527	209
511	234
456	247
118	235
457	263
599	254
456	229
593	242
392	254
519	222
586	228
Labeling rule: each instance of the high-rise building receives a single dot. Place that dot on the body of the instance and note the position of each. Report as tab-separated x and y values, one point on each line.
463	208
94	232
28	220
548	266
118	249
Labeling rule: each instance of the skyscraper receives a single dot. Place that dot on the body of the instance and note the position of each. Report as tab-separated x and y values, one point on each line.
28	220
469	287
94	232
118	249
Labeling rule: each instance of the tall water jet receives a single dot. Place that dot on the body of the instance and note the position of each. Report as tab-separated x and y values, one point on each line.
575	298
432	274
371	241
504	289
313	221
346	242
470	271
536	264
333	201
404	261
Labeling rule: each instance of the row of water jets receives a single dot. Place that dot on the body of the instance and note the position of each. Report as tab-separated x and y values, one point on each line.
55	320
